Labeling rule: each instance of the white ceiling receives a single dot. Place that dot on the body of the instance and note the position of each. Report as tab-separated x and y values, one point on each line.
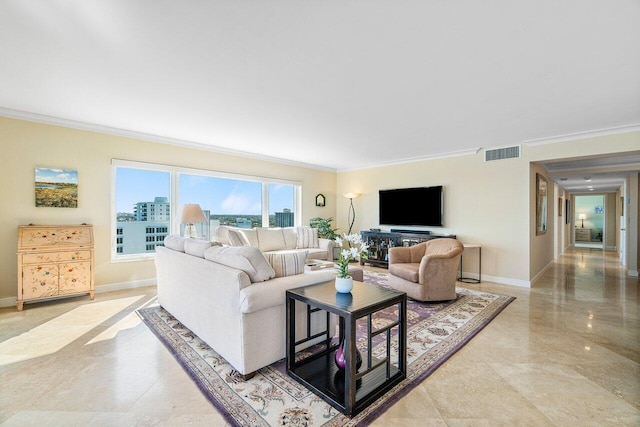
333	84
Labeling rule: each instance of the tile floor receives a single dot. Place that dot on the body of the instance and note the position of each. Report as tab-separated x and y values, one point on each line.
565	353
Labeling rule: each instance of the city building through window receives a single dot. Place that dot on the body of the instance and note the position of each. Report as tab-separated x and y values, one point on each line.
148	201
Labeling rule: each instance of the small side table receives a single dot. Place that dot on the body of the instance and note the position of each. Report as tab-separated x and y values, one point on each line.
471	279
351	390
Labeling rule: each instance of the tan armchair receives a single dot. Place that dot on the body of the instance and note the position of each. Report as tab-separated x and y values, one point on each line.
426	271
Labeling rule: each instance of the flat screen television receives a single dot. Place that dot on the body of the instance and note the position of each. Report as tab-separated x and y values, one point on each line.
420	206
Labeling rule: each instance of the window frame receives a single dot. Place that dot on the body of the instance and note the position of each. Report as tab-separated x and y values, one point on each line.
174	198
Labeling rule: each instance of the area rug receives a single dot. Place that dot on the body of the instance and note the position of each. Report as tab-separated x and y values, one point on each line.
434	333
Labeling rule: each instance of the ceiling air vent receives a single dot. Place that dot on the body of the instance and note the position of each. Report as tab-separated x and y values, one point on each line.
502	153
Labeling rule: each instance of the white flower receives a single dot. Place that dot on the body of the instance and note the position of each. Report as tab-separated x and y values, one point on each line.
351	246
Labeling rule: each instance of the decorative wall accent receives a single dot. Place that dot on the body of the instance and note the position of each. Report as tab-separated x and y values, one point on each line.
56	188
541	204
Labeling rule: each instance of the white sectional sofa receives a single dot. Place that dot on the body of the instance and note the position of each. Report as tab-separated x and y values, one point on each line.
231	298
274	240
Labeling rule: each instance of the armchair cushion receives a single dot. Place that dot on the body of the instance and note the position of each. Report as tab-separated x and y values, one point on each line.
408	271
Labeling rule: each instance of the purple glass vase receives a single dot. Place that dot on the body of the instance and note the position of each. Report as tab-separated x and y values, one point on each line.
341	362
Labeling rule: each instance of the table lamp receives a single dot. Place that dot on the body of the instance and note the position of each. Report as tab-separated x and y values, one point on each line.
582	216
191	213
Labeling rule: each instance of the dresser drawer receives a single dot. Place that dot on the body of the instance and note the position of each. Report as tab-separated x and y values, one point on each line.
43	237
43	257
583	234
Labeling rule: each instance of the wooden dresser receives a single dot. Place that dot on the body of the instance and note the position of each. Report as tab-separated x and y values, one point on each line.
583	234
54	261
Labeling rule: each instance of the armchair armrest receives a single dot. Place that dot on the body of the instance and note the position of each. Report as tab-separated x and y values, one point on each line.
399	255
407	254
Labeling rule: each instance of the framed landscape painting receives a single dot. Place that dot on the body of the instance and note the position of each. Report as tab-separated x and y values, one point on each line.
56	188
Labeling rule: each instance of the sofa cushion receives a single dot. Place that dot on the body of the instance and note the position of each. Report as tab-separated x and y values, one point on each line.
196	247
246	258
287	263
307	238
290	237
237	238
263	295
175	242
222	234
270	239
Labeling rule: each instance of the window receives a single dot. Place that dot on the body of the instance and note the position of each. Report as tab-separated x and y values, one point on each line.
137	191
224	201
281	205
148	198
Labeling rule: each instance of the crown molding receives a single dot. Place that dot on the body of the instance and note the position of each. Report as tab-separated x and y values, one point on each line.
584	135
108	130
460	153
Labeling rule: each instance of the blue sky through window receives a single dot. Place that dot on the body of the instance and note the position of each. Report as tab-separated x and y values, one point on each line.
218	195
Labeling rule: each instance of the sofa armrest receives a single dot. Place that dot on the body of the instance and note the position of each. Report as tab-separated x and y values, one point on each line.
328	245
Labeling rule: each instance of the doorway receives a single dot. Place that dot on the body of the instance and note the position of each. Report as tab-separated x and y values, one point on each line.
589	217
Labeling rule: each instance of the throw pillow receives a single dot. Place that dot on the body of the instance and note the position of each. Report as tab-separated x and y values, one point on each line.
307	238
175	242
196	247
287	263
237	238
246	258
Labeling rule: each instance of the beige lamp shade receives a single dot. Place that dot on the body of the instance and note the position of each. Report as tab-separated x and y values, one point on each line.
582	216
351	195
192	213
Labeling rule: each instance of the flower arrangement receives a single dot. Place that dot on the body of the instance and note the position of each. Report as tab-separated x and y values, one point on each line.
351	246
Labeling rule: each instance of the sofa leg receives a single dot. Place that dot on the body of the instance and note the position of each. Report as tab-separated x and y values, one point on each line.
247	377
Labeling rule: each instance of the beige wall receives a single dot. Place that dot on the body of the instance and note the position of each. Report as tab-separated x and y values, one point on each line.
489	203
485	203
26	145
541	246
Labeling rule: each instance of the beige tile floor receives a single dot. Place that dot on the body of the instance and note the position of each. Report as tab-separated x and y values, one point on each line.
565	353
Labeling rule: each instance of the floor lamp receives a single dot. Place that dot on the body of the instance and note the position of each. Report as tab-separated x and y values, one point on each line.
351	217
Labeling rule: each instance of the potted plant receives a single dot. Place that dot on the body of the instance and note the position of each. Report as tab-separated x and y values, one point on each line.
351	246
324	227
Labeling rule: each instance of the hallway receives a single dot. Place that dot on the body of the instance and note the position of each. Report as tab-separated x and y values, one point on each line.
566	352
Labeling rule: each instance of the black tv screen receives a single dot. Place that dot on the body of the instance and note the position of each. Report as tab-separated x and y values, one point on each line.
421	206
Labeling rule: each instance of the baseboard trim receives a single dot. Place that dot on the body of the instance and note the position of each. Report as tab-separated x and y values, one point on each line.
111	287
541	273
125	285
500	280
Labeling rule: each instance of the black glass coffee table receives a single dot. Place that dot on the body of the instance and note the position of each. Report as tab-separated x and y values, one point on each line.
354	388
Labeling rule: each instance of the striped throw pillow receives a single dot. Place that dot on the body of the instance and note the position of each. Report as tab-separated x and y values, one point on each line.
287	263
307	238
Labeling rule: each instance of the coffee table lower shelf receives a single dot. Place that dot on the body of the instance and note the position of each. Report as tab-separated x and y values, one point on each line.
321	375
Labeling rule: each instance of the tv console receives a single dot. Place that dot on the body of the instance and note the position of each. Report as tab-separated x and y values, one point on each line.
379	243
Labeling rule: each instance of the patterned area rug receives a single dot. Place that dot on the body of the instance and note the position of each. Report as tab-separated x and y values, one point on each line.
434	333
